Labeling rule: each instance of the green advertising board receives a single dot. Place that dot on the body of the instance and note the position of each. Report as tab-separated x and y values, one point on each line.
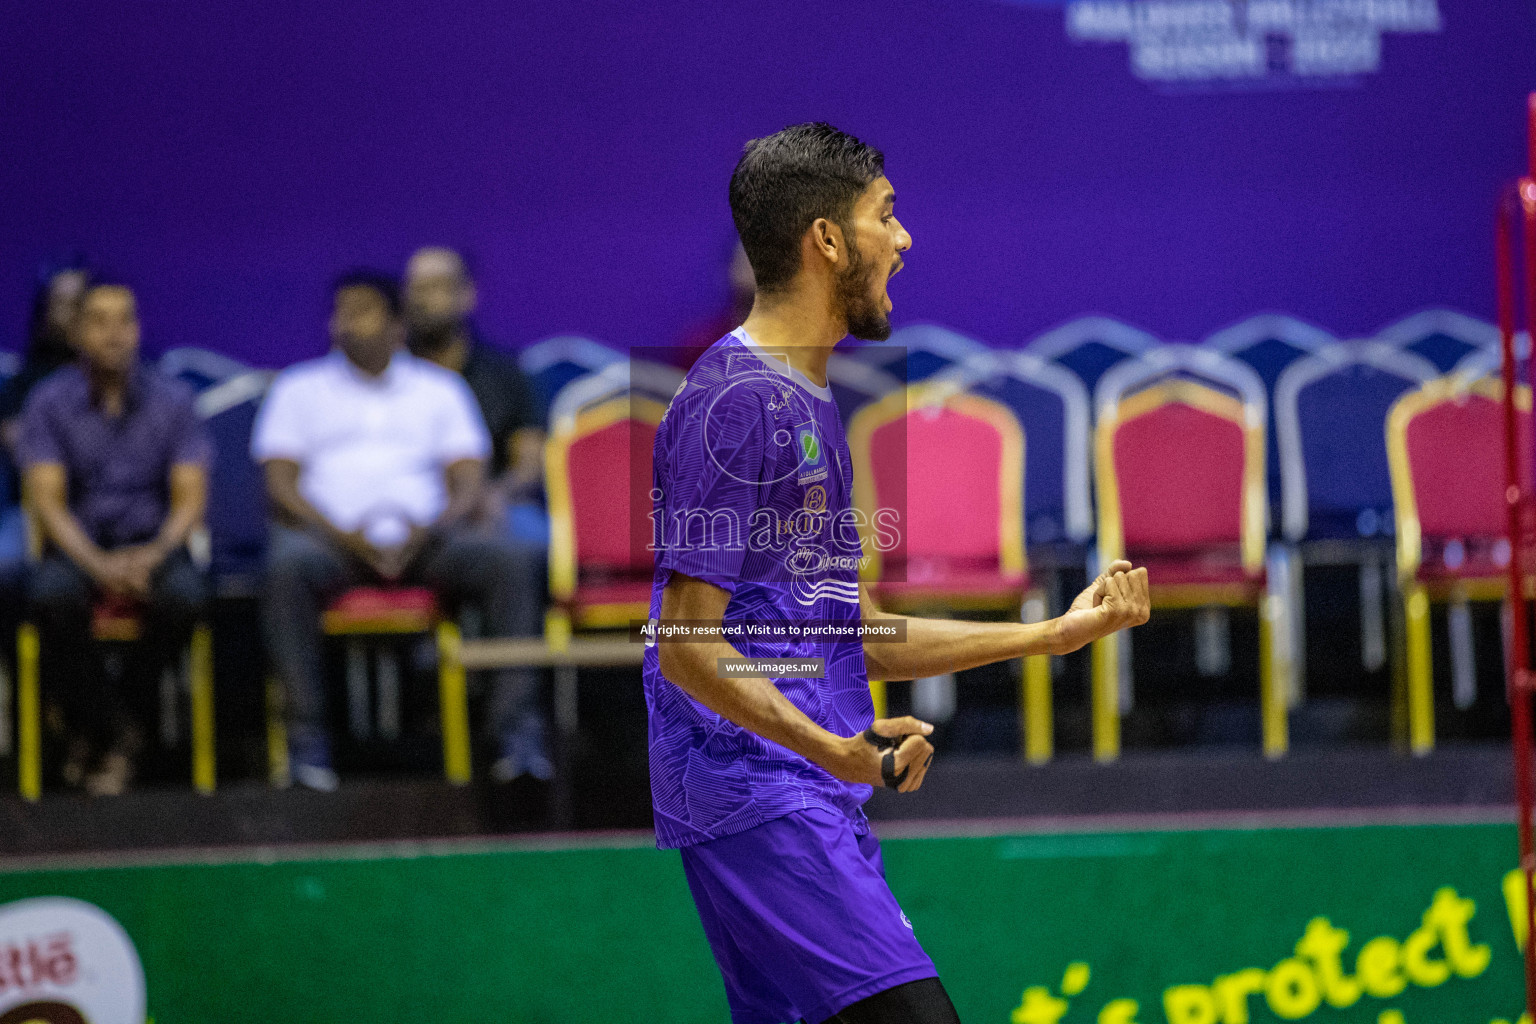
1381	924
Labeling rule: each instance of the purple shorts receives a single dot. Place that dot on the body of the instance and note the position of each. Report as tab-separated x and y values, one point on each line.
800	919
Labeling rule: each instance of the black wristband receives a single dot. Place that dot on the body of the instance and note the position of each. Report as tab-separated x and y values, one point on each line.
888	762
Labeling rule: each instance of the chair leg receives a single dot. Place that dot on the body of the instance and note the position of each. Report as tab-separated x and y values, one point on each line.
7	714
1458	618
387	713
1421	707
453	701
1213	641
1288	648
1038	720
358	718
277	737
877	697
1274	682
557	630
1125	671
200	676
170	698
1106	698
1036	725
29	740
1373	616
563	810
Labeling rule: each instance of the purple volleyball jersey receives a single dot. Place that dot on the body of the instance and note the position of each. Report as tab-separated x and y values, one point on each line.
753	489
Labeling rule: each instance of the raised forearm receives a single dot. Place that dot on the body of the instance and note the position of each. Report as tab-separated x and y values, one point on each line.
935	646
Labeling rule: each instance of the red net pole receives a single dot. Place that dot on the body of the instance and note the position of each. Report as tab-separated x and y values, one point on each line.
1530	118
1519	667
1519	640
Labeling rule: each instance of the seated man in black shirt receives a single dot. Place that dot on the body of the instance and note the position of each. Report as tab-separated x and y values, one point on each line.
440	296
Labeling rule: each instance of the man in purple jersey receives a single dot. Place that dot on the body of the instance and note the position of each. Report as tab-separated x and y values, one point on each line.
759	771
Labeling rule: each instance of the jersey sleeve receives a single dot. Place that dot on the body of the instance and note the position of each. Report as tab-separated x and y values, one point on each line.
280	431
462	433
716	464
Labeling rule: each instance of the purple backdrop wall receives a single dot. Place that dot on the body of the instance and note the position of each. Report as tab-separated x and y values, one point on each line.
230	158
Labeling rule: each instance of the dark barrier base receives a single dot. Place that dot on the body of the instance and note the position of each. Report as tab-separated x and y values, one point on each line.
1472	777
1462	775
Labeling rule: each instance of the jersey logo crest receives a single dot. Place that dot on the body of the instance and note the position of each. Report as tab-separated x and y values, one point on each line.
810	448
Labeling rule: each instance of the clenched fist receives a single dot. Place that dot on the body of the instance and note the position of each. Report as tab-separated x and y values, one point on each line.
899	739
1117	600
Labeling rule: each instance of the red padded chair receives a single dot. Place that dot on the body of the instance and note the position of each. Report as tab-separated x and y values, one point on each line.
1180	468
113	620
1445	448
380	612
598	481
951	465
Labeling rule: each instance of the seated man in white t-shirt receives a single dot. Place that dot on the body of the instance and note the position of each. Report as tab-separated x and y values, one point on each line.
375	461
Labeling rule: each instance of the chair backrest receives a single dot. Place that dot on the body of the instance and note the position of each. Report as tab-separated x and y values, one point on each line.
1445	446
1488	361
638	377
1090	345
930	450
918	352
856	383
237	493
1329	410
555	362
588	457
199	367
1443	336
1269	343
1052	407
1179	455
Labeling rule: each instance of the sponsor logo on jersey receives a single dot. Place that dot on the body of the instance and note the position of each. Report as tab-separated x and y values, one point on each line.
810	447
815	499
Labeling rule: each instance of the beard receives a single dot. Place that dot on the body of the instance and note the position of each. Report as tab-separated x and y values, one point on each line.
425	337
866	320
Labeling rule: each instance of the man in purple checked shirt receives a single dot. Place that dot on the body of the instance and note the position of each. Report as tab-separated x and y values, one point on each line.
759	780
115	468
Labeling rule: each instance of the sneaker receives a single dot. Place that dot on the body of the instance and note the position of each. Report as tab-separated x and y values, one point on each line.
524	752
314	776
112	776
309	763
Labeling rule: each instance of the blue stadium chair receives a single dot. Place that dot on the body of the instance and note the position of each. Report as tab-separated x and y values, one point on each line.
1269	342
1329	411
1489	361
637	378
1442	336
1090	345
1052	407
916	353
237	510
555	362
1336	489
199	368
855	383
